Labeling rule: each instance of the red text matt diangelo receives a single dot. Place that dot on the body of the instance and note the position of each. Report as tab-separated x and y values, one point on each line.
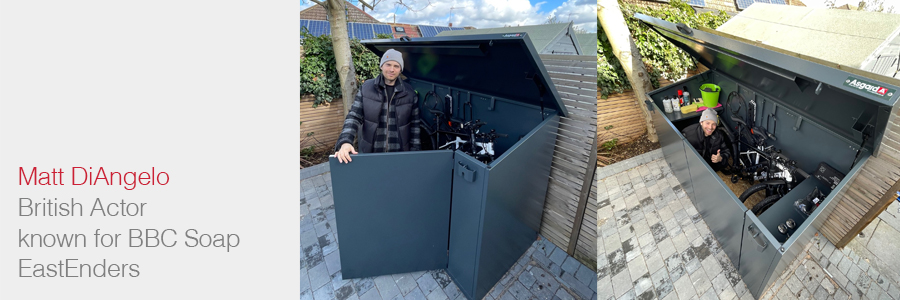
89	176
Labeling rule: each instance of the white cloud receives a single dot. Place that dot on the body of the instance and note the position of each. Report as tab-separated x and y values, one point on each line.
582	12
484	13
480	13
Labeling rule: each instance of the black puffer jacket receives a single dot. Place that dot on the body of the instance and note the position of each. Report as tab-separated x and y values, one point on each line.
708	146
370	104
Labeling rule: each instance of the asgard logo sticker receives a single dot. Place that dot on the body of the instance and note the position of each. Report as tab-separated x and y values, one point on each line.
881	91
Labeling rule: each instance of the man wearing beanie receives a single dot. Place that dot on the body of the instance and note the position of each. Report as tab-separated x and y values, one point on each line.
708	141
384	116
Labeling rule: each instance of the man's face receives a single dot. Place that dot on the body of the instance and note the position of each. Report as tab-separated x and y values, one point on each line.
708	127
390	70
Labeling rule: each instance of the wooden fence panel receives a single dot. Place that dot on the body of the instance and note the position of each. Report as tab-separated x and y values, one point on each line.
621	111
622	115
320	126
587	240
569	209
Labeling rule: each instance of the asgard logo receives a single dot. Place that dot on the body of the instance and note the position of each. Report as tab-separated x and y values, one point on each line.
871	88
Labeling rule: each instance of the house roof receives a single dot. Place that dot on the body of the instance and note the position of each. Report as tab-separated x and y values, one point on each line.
357	15
796	3
541	35
851	38
588	43
409	30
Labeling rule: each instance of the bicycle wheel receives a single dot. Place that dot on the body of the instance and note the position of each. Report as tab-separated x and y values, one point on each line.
762	206
752	190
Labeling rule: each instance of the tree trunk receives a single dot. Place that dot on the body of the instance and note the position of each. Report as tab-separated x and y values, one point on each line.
340	41
626	51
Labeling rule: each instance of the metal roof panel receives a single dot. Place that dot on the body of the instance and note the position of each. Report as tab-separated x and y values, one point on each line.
501	65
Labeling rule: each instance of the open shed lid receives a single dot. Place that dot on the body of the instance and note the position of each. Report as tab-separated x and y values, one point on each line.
500	65
846	100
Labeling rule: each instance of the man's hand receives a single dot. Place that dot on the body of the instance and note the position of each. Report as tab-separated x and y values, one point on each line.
343	155
716	158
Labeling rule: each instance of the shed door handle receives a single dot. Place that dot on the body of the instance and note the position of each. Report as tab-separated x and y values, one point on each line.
684	29
761	243
466	173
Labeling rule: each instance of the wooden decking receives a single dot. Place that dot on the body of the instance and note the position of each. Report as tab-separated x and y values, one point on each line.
869	192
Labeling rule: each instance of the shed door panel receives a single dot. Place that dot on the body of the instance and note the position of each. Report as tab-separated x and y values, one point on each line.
672	145
721	210
516	187
759	251
393	212
469	177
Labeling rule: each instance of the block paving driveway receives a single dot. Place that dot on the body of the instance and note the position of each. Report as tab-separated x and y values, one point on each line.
544	272
653	244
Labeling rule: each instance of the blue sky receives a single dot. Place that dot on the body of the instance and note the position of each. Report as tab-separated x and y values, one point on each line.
484	13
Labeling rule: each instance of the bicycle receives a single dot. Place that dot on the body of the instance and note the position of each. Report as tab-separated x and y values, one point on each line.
776	173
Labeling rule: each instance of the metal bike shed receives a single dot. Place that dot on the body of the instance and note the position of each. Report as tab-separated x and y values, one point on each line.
823	115
442	209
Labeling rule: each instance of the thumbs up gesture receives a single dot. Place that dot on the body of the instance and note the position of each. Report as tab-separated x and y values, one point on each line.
716	158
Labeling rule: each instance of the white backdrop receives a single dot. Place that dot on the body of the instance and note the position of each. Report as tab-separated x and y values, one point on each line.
205	91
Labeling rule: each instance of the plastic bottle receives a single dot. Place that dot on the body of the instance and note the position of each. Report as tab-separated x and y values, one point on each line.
687	97
667	104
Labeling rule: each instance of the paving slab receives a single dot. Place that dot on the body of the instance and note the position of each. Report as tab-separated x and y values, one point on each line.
883	245
544	272
865	269
677	250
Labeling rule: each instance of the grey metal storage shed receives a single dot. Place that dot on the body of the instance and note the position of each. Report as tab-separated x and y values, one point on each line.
547	38
442	209
823	115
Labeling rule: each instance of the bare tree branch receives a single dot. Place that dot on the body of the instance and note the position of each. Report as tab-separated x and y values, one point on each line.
365	4
552	20
409	6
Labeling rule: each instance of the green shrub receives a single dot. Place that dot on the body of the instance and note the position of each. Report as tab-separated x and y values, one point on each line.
318	75
661	57
610	144
610	75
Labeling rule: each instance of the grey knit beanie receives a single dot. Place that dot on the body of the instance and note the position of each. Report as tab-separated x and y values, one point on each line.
708	114
394	55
